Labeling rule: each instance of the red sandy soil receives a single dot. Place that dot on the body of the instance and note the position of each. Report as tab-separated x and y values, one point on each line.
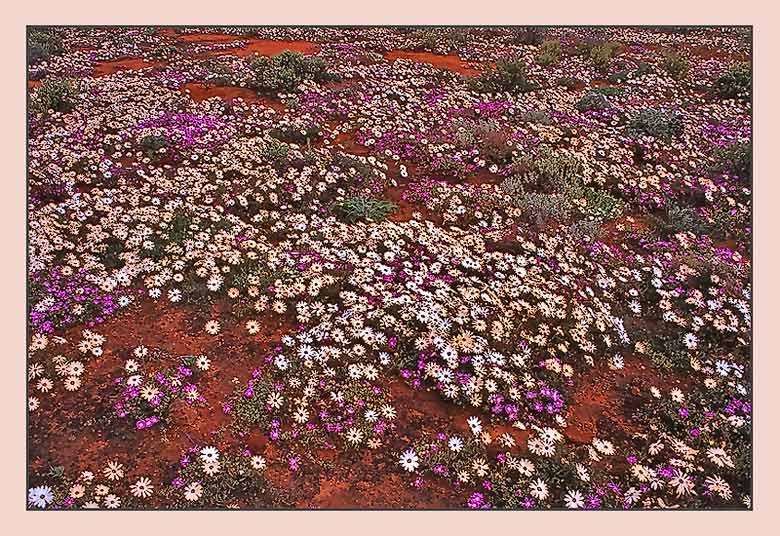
604	399
103	68
200	92
451	62
263	47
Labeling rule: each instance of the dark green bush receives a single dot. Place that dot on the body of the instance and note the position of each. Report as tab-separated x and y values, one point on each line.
356	208
659	124
675	64
527	35
287	71
42	44
275	150
735	83
736	159
601	55
56	94
151	144
508	75
593	101
549	53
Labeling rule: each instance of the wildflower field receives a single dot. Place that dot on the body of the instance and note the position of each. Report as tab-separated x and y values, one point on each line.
389	268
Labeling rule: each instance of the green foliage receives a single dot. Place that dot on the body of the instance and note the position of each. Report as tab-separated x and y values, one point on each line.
360	207
657	123
56	94
151	144
442	39
593	101
569	82
736	159
545	208
642	69
549	53
608	91
508	75
554	167
601	205
537	116
286	71
110	257
675	64
275	150
42	44
682	219
601	55
735	83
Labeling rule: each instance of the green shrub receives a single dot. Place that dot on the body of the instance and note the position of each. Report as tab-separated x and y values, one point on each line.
585	229
593	101
275	150
682	219
287	71
549	53
537	116
609	91
151	144
601	205
735	83
544	208
675	64
736	159
507	76
553	167
569	82
642	69
601	55
656	123
356	208
42	44
55	94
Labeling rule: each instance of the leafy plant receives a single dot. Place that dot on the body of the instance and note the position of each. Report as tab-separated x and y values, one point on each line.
657	123
601	205
42	44
152	143
601	55
549	53
287	71
593	101
735	83
56	94
356	208
545	208
675	64
736	159
275	150
509	75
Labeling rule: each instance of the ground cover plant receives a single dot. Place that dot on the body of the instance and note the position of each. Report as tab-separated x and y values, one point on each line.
403	268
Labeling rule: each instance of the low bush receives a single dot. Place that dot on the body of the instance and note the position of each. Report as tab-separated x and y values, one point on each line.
549	53
543	209
735	83
657	123
509	75
152	144
675	64
593	101
601	55
736	159
54	94
275	150
356	208
286	71
42	44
